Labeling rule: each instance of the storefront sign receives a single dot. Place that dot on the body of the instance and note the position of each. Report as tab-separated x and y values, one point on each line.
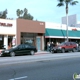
6	24
74	29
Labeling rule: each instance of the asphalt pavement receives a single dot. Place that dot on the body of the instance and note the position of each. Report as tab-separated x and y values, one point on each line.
62	69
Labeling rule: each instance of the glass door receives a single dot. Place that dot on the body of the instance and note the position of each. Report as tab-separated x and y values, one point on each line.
38	43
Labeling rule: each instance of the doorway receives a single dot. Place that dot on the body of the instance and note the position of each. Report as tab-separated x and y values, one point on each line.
38	43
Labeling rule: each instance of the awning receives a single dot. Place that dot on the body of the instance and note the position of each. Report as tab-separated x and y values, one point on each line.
57	33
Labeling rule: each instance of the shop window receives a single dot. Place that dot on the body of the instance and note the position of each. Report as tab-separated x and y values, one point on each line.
28	38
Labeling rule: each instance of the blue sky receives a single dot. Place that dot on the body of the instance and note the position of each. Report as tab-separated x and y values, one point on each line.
42	10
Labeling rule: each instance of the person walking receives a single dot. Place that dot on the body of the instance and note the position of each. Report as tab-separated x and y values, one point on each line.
48	46
51	46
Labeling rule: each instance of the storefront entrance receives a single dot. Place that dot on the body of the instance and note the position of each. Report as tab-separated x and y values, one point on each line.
5	41
38	43
32	38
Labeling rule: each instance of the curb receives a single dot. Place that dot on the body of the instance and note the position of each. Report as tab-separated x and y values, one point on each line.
41	52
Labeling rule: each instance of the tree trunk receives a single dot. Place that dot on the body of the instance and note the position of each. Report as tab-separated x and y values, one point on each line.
66	21
67	26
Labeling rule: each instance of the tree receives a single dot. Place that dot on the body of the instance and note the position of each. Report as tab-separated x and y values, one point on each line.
18	13
23	14
25	10
3	14
66	2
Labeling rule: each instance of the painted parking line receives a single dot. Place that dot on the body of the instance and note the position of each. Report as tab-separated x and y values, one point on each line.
19	78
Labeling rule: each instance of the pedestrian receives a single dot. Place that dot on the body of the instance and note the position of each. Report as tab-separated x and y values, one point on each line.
51	46
77	45
48	46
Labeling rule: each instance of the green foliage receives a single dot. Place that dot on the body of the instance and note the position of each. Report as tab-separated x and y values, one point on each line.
66	2
3	14
23	14
62	2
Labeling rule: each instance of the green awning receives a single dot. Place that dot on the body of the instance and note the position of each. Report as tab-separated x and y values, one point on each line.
58	32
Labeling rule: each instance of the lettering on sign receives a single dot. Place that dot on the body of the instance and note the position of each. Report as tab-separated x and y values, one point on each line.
74	29
6	24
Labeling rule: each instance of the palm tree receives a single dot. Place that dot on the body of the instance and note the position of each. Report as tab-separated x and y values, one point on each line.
18	13
21	12
66	2
25	10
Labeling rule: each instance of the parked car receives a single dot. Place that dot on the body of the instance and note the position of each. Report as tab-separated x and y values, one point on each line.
65	47
22	49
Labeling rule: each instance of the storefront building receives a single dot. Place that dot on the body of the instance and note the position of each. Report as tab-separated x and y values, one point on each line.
37	33
29	31
7	32
19	31
57	33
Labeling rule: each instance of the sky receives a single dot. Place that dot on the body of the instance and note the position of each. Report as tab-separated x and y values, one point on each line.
42	10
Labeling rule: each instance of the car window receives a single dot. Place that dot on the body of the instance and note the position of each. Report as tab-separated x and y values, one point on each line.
71	43
67	43
29	46
21	46
26	46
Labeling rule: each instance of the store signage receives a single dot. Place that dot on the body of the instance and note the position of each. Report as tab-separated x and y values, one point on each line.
74	29
6	24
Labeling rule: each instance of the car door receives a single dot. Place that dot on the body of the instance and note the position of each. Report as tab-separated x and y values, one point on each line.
28	48
20	50
67	46
70	46
73	45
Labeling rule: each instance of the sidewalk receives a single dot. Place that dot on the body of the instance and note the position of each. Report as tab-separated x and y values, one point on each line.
42	52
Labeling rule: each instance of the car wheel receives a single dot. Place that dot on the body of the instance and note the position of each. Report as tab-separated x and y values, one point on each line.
32	52
63	50
12	54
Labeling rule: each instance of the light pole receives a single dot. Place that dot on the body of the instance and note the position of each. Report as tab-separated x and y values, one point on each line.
67	27
67	21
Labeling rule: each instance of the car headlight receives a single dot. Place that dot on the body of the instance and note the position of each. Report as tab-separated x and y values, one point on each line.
6	51
59	47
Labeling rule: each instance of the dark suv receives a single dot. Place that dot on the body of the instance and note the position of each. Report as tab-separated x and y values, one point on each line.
65	46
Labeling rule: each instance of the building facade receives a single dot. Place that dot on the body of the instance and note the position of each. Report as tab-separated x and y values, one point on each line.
57	33
37	33
19	31
7	32
30	31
